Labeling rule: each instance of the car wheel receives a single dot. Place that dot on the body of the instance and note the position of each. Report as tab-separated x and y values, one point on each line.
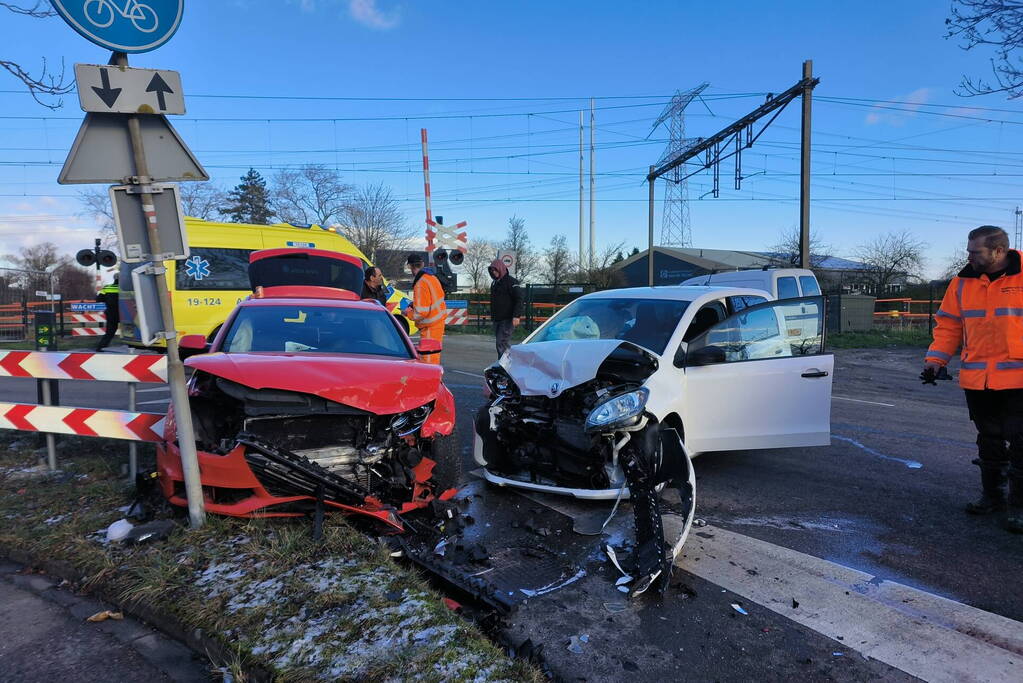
449	471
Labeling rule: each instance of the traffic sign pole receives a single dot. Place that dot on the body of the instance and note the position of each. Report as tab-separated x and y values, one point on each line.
175	368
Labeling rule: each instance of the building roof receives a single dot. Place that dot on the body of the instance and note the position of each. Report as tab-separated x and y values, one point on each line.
730	259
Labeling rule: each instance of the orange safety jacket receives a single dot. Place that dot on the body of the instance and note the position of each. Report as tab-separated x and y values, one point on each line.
985	319
428	307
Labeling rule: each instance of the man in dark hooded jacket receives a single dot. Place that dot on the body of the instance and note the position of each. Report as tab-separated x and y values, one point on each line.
505	304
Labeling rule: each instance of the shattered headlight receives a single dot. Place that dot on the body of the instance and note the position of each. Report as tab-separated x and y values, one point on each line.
410	421
618	411
499	381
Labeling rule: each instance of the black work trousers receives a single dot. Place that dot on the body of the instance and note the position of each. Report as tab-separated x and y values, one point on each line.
998	415
503	332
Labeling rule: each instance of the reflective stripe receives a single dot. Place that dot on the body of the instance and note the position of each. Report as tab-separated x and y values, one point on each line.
1009	311
974	366
1009	365
974	313
430	321
939	354
943	314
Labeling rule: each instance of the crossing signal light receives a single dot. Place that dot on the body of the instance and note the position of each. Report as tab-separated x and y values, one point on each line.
86	257
456	257
107	259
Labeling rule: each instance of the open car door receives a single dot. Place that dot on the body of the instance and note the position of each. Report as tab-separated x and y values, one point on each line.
760	379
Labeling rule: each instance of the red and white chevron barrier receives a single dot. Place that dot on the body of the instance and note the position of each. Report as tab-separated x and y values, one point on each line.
112	424
88	317
87	331
456	316
108	367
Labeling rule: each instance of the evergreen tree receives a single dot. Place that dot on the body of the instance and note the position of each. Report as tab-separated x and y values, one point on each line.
249	201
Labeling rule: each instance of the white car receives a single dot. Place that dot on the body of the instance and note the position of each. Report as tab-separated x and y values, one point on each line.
617	391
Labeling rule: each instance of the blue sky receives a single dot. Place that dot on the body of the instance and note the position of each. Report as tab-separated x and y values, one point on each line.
894	147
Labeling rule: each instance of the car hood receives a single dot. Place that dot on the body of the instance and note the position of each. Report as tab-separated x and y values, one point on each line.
549	368
377	385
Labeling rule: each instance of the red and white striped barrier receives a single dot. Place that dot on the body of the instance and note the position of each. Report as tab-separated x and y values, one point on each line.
443	236
108	367
112	424
87	331
88	317
457	316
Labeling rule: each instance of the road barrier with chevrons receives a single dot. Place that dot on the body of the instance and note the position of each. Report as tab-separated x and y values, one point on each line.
106	367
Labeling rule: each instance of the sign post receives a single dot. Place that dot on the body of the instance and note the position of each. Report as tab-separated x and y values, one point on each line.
125	108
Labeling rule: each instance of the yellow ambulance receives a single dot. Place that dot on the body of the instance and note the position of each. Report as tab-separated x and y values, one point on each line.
207	285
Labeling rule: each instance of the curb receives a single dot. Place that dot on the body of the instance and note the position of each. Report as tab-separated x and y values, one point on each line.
196	639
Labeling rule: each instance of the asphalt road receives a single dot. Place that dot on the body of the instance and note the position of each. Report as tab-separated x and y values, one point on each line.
860	534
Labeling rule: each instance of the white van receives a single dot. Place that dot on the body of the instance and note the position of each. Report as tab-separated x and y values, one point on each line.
780	283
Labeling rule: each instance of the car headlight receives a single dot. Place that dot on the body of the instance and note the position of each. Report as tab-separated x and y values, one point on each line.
618	411
410	421
499	381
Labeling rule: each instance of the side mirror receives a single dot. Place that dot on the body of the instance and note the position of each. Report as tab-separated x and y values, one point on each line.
192	344
706	355
680	356
428	347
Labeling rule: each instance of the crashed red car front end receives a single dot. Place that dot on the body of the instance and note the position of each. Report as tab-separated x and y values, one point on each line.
313	404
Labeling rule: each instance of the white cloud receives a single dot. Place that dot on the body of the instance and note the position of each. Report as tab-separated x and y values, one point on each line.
366	12
901	108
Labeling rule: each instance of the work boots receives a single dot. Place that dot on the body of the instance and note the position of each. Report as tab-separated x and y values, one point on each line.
992	479
1014	517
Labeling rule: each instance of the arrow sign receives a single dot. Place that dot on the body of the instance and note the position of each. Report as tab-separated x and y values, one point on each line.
160	87
106	93
123	90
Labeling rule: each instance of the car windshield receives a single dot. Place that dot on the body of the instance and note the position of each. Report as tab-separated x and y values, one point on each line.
647	322
315	329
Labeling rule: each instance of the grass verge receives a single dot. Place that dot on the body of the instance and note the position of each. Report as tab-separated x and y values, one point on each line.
340	609
879	339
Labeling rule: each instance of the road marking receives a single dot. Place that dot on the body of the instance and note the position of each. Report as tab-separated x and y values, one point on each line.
463	372
860	400
159	400
144	391
924	635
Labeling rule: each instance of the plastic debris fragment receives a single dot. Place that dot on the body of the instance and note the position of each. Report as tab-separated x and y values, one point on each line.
738	608
119	530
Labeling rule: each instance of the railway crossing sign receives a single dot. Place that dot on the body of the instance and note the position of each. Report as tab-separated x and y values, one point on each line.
123	25
104	88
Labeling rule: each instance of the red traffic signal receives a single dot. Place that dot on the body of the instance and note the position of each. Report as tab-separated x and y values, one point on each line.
107	259
456	257
440	256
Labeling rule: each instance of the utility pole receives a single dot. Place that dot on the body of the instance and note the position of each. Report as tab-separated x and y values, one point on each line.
675	229
1019	227
592	236
175	368
650	231
582	234
804	168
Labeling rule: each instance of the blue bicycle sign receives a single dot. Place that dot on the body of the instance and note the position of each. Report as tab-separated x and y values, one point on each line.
123	25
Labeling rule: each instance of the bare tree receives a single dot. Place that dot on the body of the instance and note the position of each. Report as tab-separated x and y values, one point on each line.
953	263
38	257
47	83
602	274
517	240
311	194
998	23
890	257
557	262
202	200
372	220
787	247
478	256
96	207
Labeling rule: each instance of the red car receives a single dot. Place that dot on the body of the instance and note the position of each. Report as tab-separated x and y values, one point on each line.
311	397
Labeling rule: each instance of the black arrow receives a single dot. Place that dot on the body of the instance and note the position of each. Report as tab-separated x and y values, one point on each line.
159	86
106	93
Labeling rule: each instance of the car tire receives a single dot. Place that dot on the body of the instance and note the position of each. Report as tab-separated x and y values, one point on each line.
449	471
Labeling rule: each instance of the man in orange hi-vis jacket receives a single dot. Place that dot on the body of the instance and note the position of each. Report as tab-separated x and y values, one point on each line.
428	309
982	312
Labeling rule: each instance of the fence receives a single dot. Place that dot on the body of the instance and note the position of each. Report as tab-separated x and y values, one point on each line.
539	302
51	366
21	293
